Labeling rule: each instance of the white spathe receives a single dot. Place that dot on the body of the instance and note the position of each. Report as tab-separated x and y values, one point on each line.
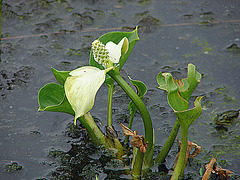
81	88
115	50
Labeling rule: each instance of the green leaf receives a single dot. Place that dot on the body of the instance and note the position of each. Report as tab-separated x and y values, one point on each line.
161	82
174	99
141	91
201	171
51	97
182	84
116	37
185	86
61	76
140	86
193	80
187	117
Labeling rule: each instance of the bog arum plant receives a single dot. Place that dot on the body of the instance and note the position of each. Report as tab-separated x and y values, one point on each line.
83	83
76	91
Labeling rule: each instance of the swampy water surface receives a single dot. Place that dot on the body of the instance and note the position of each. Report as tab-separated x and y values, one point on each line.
40	34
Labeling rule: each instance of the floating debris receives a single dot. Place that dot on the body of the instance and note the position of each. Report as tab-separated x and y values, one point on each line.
233	48
209	169
213	167
226	117
14	167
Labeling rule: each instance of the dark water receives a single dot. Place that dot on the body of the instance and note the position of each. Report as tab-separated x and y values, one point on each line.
40	34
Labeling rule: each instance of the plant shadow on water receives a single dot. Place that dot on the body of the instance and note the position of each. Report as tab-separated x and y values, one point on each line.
84	160
59	34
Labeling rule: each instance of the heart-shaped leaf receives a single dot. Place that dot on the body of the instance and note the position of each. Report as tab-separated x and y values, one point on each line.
61	76
51	97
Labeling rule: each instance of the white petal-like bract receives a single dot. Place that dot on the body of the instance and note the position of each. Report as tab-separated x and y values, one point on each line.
115	50
81	88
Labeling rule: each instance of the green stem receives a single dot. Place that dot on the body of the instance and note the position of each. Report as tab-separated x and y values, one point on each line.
116	141
94	132
109	105
168	144
130	127
179	169
137	163
142	109
131	120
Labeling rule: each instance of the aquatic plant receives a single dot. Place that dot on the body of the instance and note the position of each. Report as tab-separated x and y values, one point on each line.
76	91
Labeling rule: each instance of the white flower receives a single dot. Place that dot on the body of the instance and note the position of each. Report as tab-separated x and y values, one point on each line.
115	50
110	53
83	83
81	88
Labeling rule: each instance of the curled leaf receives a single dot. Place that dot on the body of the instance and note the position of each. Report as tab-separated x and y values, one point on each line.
127	131
197	149
188	117
137	140
61	76
141	91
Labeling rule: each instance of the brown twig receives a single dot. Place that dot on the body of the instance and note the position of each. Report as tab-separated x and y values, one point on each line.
214	167
209	168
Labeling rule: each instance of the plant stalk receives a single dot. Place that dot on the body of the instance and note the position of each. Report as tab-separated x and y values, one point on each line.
168	144
130	127
94	132
141	107
109	105
179	169
116	141
137	163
